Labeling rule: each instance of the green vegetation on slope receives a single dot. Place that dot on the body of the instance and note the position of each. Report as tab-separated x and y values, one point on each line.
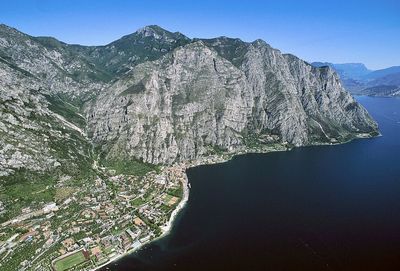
129	167
69	111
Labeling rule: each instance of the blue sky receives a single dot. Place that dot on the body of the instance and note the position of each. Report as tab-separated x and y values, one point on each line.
335	31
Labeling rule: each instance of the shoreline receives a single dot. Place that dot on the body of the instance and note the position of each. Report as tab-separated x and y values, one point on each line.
165	229
206	160
217	159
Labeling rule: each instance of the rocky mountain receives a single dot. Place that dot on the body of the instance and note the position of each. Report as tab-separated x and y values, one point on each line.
91	136
162	111
358	79
146	44
33	137
59	69
160	97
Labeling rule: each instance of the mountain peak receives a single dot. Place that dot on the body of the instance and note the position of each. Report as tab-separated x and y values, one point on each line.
158	32
260	42
150	30
154	31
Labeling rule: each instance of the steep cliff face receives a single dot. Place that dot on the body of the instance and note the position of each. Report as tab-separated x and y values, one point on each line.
33	138
216	94
161	97
173	108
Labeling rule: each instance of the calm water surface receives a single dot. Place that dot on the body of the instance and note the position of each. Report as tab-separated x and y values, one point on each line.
314	208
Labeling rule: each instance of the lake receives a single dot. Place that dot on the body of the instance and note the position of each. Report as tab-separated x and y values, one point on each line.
312	208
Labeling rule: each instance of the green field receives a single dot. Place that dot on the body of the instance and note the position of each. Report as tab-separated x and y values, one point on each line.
137	202
167	198
69	261
129	167
176	191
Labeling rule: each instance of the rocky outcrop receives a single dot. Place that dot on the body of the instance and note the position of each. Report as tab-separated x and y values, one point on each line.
54	64
160	97
195	98
32	137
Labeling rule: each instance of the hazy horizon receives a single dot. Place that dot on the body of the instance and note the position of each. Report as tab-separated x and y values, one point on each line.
347	32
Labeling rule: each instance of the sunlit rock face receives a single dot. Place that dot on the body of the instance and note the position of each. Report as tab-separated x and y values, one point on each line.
161	97
217	93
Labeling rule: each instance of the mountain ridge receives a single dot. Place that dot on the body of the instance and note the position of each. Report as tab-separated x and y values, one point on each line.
298	136
83	74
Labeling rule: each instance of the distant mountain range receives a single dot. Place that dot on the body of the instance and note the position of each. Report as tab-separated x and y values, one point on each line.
358	79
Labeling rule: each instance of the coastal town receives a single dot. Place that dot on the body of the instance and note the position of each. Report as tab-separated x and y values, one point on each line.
89	227
103	220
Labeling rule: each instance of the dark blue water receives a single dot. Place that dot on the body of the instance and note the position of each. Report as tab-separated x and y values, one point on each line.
314	208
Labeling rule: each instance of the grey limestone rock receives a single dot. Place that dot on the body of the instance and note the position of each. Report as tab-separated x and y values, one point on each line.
161	97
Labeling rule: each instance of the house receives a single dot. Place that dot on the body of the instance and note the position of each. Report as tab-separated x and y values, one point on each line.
96	251
68	243
28	236
138	222
50	207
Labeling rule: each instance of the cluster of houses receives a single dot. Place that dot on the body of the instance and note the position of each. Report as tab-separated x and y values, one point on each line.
106	218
